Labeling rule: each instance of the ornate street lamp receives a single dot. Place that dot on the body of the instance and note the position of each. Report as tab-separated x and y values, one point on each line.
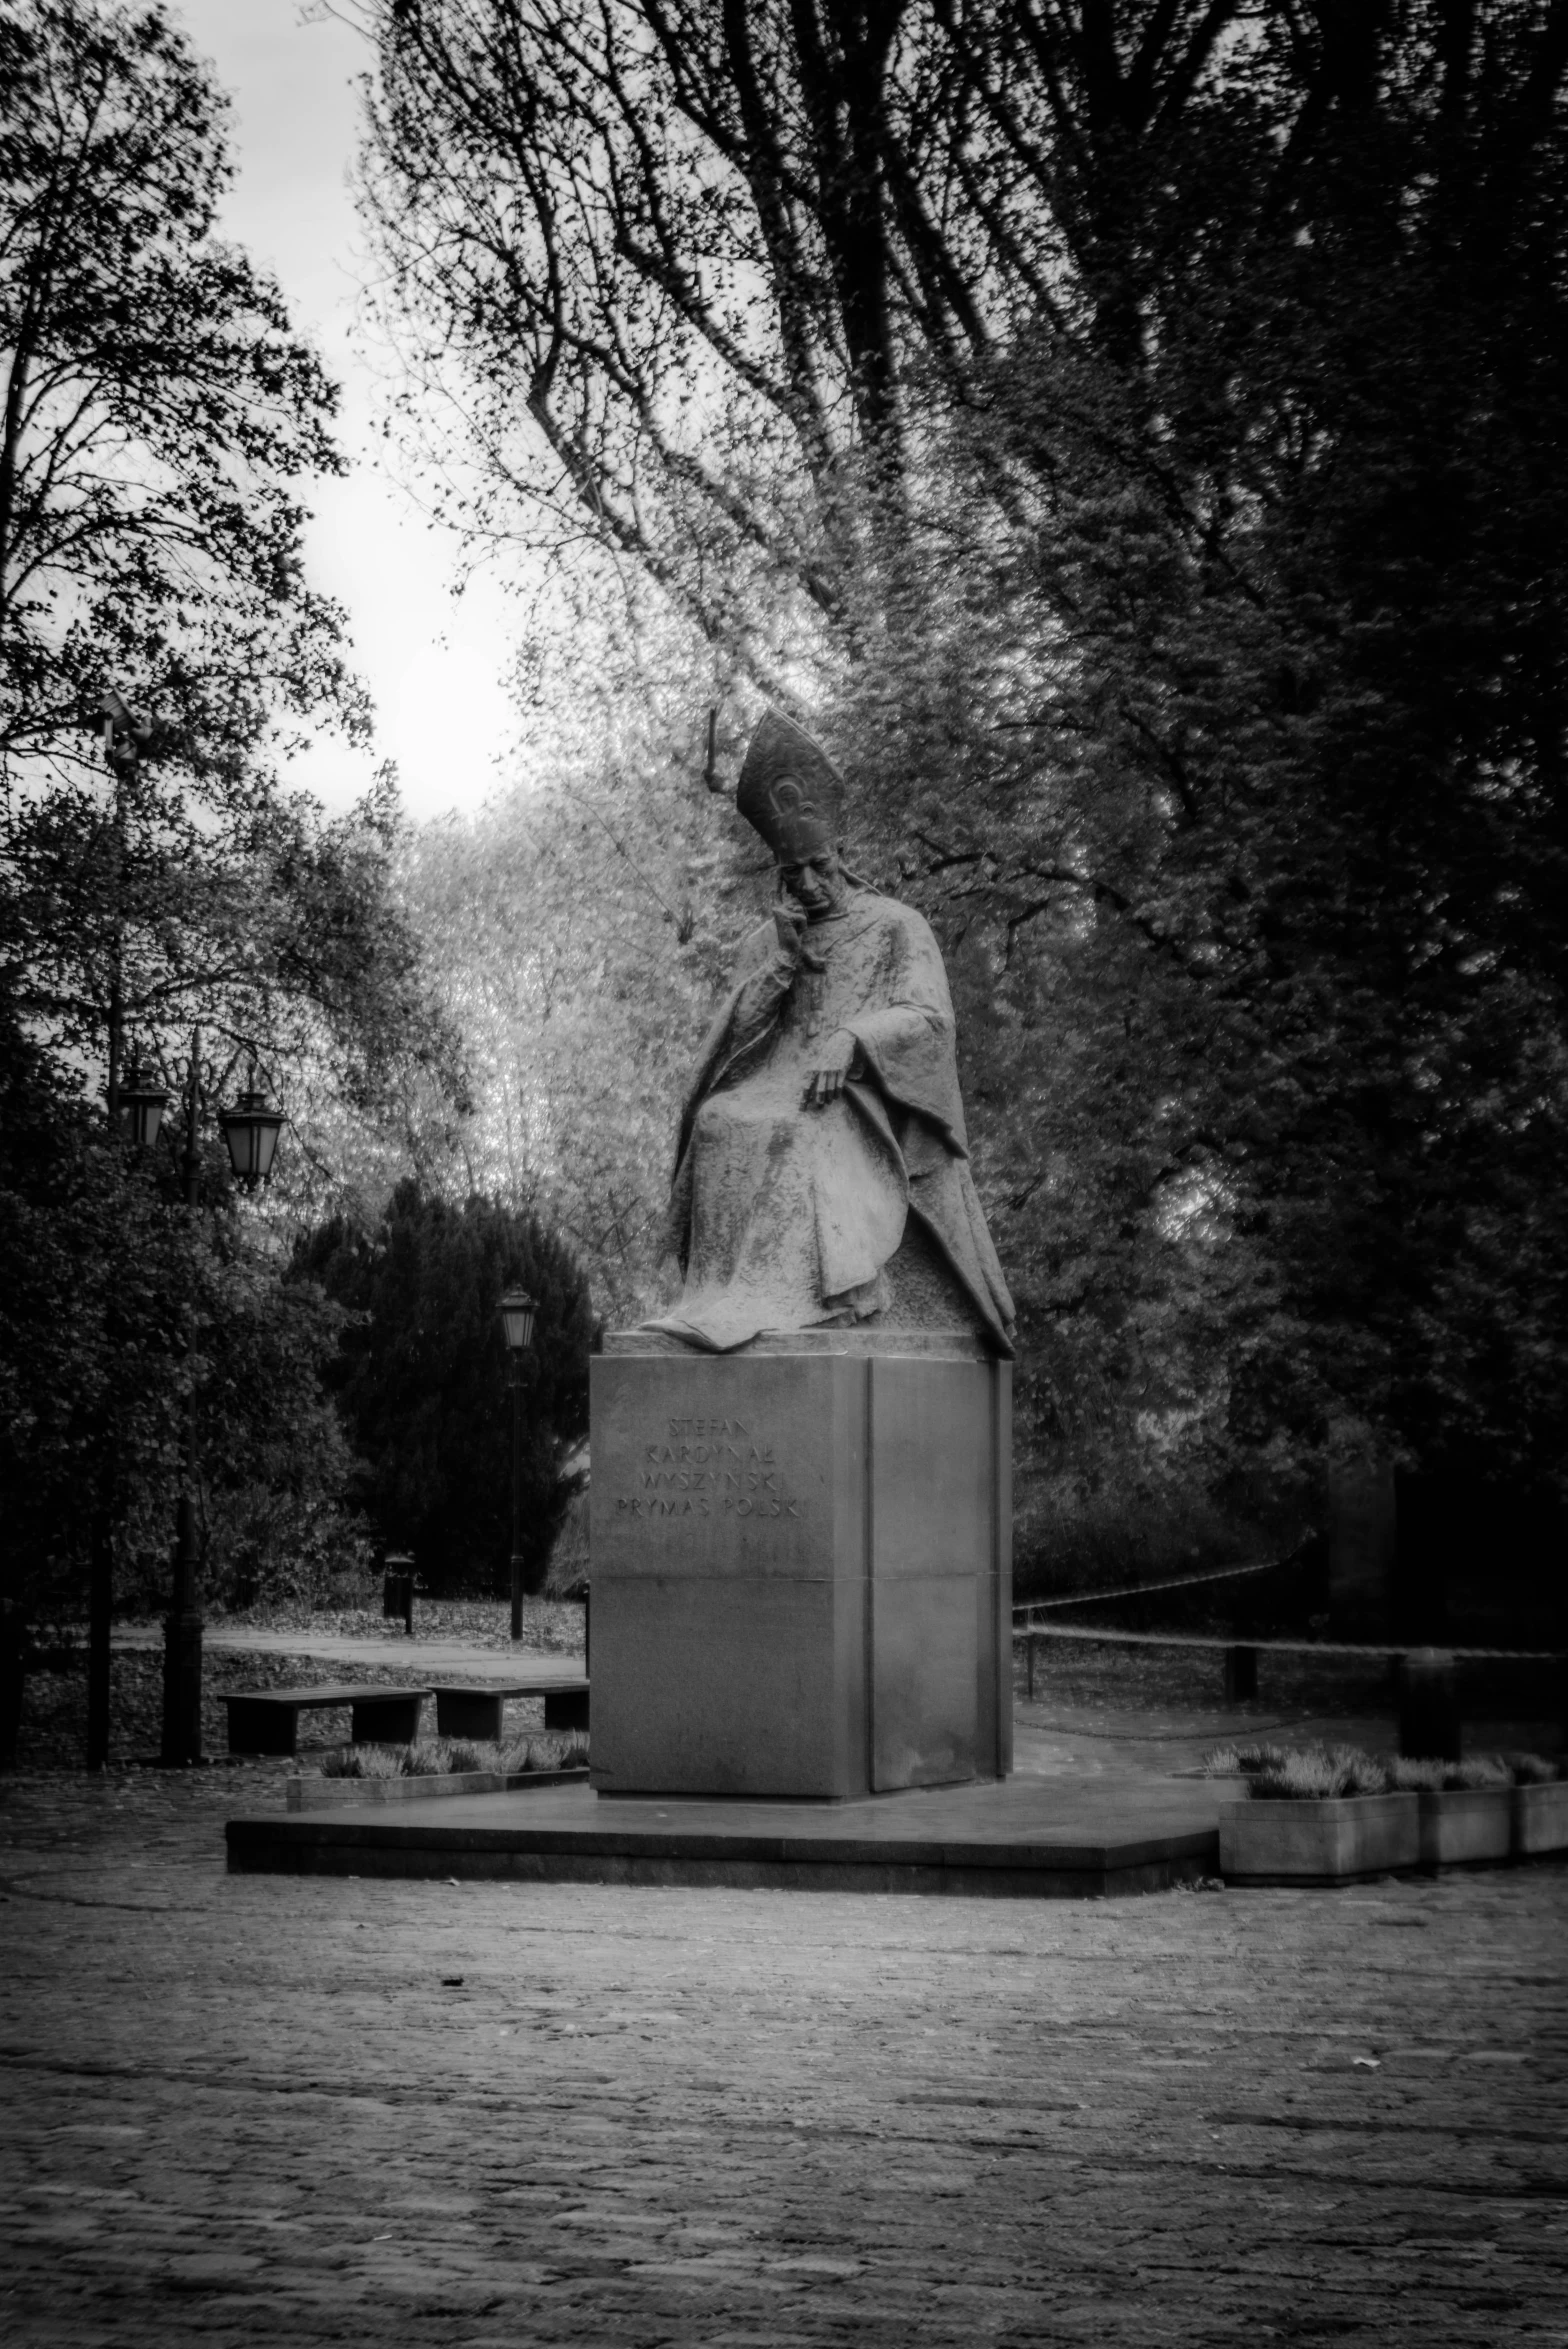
141	1105
251	1130
517	1320
125	736
517	1327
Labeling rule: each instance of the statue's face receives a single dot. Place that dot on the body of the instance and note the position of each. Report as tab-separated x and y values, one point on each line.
818	884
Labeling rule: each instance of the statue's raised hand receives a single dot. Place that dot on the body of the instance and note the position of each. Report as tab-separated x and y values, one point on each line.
790	923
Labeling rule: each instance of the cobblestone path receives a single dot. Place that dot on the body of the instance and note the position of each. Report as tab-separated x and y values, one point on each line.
300	2112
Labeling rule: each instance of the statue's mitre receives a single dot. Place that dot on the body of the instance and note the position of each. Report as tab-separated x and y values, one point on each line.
790	791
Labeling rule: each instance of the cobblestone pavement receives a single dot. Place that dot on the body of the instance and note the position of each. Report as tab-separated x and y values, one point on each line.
245	2108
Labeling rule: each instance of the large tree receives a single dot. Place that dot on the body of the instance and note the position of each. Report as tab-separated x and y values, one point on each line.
1157	413
158	412
663	269
422	1384
578	929
160	422
1226	714
160	649
117	1305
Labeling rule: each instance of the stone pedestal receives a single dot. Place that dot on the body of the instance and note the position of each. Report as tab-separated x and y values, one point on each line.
802	1578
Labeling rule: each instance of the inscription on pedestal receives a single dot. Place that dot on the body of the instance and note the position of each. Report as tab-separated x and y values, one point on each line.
703	1467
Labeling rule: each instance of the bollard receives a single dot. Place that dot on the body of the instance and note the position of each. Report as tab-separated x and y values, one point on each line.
397	1589
1429	1722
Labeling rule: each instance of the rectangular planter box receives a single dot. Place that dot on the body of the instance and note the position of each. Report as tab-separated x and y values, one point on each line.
1541	1818
1326	1842
338	1794
1464	1824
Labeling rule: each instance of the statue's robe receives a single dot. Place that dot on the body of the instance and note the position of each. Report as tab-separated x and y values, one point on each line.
785	1217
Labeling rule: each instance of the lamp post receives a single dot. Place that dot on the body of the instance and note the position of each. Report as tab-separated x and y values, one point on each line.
124	736
517	1326
137	1109
250	1130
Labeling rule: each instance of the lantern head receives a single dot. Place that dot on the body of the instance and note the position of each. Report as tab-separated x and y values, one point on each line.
141	1109
517	1320
251	1130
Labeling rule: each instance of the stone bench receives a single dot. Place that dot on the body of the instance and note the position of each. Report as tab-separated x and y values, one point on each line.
475	1708
266	1720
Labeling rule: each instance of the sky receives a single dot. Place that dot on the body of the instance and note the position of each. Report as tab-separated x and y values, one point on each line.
434	666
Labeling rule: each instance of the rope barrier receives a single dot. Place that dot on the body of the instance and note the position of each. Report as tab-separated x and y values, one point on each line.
1137	1590
1282	1647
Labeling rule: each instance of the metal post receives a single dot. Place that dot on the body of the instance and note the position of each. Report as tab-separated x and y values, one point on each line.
182	1656
100	1613
100	1571
517	1495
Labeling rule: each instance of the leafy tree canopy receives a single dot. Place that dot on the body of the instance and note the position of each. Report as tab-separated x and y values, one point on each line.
117	1302
160	649
1223	716
1156	415
158	410
159	424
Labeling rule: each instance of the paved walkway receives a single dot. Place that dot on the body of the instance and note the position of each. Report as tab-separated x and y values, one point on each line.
245	2109
442	1659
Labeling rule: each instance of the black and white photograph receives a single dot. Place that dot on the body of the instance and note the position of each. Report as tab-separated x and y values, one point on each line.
783	1174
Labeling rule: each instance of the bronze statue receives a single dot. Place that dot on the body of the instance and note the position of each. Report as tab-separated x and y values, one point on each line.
822	1175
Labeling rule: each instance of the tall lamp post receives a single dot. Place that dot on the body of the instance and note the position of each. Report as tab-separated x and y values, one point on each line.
517	1326
137	1108
124	737
250	1130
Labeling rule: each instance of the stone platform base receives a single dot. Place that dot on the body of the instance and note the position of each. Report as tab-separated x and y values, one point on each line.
1030	1839
801	1565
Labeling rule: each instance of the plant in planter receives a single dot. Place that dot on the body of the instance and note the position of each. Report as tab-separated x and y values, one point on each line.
1243	1761
1319	1815
363	1761
439	1766
1466	1808
1320	1773
1540	1804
